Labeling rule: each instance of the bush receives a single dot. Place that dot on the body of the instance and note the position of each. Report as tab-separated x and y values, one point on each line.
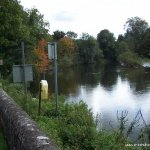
3	144
129	59
73	127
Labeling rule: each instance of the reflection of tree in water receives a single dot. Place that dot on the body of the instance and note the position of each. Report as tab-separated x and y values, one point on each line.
70	79
109	76
67	81
139	78
89	76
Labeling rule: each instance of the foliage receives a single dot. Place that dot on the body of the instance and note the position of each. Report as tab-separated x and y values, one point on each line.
38	27
71	34
42	56
12	31
3	145
145	44
106	41
74	129
19	25
136	26
88	49
121	47
136	29
129	59
66	51
57	35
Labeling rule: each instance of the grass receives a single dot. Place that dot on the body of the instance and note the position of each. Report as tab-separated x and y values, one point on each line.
73	127
3	145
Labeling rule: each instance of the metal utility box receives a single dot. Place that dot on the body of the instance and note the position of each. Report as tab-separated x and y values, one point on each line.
18	71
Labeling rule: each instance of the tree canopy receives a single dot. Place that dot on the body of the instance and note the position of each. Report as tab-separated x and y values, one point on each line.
57	35
19	25
106	41
136	35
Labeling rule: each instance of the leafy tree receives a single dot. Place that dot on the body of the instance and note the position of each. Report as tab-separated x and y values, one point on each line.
88	49
136	26
106	41
19	25
135	31
42	61
122	47
38	27
72	34
58	35
85	36
66	51
12	31
120	38
129	59
145	44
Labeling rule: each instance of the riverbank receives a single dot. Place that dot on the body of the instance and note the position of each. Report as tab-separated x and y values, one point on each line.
74	126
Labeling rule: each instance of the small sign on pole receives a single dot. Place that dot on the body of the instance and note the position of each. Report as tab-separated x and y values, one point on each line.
52	54
52	50
18	73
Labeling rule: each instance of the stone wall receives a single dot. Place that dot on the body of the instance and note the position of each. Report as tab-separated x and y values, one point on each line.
21	132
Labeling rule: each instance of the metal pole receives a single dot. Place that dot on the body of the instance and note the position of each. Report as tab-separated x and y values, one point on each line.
39	109
24	77
55	76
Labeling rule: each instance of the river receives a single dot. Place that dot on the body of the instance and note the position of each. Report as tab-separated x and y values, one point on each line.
107	89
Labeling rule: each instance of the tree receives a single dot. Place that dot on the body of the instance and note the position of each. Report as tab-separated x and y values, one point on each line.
106	41
66	51
145	44
42	61
38	27
19	25
88	49
12	32
57	35
136	26
129	59
120	38
135	31
122	47
72	34
85	36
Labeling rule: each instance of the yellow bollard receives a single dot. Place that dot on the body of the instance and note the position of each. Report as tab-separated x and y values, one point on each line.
44	90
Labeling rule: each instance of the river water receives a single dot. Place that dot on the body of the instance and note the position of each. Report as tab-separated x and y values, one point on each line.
108	89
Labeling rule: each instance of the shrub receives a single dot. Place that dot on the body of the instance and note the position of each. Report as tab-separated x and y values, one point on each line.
129	59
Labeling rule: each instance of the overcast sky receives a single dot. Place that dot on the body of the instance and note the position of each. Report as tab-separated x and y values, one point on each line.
90	16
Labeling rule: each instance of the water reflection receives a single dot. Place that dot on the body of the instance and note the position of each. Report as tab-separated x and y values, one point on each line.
107	89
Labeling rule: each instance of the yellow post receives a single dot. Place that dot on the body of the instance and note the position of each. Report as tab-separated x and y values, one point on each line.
44	90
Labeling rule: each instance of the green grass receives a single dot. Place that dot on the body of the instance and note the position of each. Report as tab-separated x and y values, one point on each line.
3	145
73	127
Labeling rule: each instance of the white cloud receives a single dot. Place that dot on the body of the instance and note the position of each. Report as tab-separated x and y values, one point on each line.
90	16
64	16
